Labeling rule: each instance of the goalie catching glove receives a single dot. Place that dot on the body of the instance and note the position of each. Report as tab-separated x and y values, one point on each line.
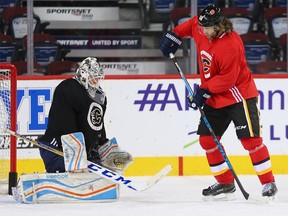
114	158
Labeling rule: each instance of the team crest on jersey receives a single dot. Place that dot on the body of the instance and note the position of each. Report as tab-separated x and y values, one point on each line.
94	116
206	59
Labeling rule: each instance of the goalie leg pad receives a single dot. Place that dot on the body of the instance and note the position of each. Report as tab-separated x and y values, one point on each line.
75	156
64	188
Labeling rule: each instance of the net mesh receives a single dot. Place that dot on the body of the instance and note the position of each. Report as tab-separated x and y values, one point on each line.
5	108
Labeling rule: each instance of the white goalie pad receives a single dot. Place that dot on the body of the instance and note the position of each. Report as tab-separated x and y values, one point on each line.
64	188
75	156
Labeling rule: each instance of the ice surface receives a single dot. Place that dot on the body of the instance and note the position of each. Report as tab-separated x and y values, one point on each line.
173	196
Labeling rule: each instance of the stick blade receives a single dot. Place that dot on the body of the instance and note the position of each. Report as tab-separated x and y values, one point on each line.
156	178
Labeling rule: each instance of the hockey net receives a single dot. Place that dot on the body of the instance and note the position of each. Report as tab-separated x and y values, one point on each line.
8	118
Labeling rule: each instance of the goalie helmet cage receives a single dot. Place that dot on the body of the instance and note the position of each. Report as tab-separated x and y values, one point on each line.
8	118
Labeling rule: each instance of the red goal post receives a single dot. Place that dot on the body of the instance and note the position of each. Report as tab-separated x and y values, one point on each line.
8	119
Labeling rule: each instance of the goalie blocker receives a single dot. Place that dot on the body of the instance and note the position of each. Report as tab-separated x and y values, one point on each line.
76	184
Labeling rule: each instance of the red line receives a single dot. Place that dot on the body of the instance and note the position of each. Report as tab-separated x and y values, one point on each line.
180	161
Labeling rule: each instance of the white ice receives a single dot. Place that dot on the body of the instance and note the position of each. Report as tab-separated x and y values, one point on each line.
172	196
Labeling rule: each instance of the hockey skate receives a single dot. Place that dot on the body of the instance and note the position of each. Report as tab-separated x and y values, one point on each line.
219	192
269	190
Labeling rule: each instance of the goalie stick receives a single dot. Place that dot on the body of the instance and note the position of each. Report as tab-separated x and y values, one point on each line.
246	195
104	172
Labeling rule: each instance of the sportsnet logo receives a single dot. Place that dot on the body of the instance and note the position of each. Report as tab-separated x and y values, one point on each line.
76	12
85	14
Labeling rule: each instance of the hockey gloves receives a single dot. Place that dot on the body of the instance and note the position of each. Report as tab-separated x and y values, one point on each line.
114	158
170	43
199	98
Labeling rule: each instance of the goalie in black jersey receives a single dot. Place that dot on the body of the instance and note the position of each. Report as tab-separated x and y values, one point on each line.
79	105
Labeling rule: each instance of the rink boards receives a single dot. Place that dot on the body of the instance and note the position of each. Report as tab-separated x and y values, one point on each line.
149	115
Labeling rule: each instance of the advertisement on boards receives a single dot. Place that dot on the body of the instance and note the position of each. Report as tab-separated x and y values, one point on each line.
77	13
151	117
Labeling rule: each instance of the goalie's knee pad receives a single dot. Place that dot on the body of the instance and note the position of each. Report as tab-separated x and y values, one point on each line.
250	143
207	142
74	149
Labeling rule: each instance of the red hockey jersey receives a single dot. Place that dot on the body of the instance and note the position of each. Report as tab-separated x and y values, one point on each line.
222	64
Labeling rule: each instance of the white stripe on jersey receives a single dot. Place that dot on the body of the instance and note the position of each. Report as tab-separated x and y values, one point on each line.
216	170
236	94
263	166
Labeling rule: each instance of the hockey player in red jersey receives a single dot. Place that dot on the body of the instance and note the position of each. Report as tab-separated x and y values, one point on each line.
227	94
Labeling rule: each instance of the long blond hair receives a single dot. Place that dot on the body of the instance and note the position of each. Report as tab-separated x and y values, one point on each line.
225	26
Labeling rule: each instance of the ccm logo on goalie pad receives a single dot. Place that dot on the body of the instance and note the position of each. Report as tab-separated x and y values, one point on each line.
109	174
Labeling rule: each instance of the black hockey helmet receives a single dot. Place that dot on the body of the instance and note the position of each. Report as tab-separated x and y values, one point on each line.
210	16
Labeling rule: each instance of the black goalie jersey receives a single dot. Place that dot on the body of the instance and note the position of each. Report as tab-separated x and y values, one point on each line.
73	110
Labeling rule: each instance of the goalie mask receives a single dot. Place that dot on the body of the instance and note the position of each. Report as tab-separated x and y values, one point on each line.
90	74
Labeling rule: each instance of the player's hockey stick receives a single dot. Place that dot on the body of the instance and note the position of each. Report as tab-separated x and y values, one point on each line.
188	87
104	172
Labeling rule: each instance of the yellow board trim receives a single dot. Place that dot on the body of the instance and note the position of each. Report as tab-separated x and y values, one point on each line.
186	166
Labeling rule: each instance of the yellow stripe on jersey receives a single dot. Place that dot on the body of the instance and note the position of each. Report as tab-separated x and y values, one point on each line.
221	172
264	171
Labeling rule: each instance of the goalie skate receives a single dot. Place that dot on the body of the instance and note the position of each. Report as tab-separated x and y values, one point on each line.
219	192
